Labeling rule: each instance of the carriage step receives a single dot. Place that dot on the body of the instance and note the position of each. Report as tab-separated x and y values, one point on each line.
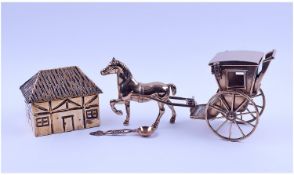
198	112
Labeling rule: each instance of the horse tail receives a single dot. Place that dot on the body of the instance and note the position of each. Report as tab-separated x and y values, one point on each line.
173	88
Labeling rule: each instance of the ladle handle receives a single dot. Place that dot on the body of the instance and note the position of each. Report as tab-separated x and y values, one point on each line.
113	132
119	131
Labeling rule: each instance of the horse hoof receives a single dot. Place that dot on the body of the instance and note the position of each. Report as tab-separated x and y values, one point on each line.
126	123
172	120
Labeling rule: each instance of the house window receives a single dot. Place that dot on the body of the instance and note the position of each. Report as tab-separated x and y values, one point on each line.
42	121
92	113
236	79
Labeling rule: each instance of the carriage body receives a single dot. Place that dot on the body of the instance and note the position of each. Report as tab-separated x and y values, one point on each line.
238	75
236	70
239	71
231	74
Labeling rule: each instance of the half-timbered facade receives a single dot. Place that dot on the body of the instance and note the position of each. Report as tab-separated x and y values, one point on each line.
61	100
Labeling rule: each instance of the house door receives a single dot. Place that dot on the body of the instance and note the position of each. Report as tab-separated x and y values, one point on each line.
68	123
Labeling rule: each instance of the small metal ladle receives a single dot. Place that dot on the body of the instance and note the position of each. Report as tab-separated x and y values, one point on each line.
144	131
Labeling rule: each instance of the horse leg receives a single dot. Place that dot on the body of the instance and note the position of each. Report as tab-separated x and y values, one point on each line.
112	105
161	112
173	118
127	104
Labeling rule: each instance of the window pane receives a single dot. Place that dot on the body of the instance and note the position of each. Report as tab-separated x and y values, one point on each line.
92	113
236	79
43	121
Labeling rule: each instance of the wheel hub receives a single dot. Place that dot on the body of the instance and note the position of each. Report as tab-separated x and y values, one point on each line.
231	116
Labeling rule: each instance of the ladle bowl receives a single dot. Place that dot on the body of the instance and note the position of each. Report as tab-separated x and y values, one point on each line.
145	131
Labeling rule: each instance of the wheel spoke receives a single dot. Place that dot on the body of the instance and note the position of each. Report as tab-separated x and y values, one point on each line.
239	128
220	126
245	113
217	108
230	130
243	121
233	102
255	105
257	95
220	107
250	112
224	101
241	105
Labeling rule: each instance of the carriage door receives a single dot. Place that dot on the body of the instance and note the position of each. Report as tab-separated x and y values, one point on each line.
68	123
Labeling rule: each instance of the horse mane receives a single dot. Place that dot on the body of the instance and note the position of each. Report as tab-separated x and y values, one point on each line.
126	70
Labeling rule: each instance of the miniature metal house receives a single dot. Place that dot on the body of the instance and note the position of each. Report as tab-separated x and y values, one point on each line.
61	100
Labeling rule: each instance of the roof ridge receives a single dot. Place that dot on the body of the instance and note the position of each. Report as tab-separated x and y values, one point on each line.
52	69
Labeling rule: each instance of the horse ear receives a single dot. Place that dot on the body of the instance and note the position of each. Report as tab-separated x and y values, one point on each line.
113	59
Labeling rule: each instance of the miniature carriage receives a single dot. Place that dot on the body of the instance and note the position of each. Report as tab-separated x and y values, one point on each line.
233	112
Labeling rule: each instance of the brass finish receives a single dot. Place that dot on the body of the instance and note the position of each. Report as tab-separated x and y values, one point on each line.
53	95
144	131
232	113
228	114
239	101
131	90
259	100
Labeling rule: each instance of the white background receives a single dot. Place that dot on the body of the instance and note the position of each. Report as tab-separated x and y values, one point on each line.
159	42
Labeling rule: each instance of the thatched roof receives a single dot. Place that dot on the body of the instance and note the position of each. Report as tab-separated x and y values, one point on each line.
58	83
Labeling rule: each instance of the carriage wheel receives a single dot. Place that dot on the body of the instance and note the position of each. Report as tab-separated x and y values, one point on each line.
228	113
259	100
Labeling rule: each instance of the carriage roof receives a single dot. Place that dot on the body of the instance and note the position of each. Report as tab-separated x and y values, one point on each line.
238	57
239	69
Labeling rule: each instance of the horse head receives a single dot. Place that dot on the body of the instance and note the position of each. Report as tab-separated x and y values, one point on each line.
112	68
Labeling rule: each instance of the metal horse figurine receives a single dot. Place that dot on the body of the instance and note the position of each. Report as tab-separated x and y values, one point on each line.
131	90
